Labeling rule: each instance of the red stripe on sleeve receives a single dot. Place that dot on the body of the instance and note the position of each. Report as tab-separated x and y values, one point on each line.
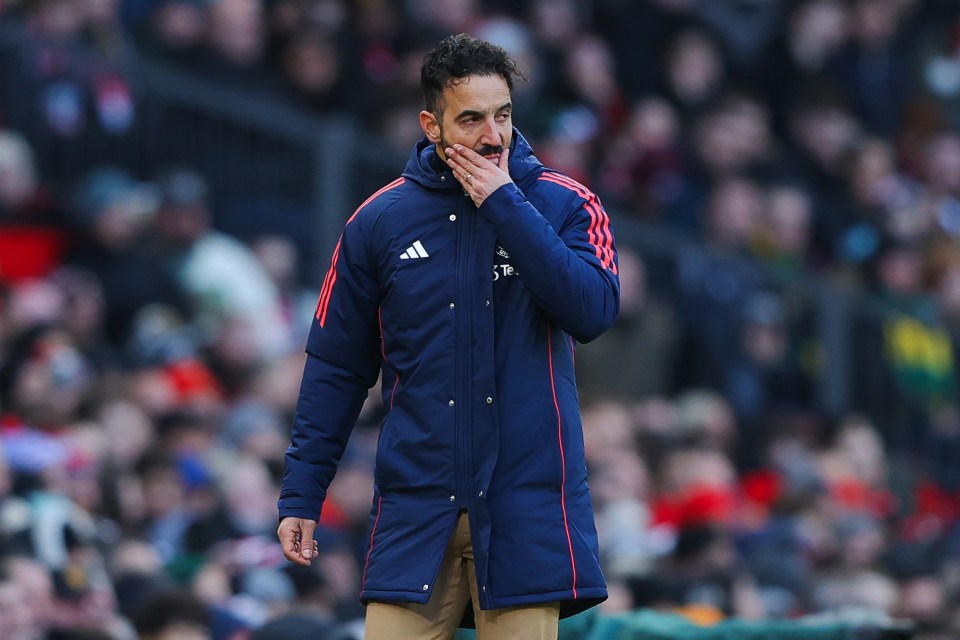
598	234
328	283
323	304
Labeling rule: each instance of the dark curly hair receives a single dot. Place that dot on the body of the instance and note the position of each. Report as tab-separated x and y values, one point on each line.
457	57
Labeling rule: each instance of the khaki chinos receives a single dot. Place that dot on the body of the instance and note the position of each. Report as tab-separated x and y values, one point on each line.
456	586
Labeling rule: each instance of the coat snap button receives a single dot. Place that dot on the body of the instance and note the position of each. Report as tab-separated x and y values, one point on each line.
453	217
489	400
452	305
451	403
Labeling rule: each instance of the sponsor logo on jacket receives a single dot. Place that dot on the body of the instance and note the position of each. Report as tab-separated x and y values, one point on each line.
505	269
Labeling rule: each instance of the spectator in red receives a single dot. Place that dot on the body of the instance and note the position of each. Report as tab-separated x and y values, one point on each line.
32	239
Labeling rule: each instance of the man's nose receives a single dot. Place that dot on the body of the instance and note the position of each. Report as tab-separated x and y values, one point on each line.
490	134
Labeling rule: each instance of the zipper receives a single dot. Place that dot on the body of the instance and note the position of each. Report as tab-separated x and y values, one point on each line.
464	346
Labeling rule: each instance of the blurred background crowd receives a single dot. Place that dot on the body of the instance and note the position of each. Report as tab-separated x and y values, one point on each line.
772	426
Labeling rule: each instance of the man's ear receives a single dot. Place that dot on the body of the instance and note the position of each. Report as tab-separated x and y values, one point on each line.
430	126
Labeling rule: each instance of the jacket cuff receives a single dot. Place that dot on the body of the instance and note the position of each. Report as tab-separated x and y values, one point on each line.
498	205
298	507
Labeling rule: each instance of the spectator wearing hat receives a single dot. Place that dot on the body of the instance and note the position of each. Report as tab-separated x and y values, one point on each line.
113	212
33	237
226	284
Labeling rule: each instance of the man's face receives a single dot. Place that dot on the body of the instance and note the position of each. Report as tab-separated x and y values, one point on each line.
477	113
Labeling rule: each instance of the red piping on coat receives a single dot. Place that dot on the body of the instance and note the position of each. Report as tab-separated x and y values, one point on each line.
383	352
366	564
563	462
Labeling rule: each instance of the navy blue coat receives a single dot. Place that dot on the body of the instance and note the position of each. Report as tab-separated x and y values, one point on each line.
470	315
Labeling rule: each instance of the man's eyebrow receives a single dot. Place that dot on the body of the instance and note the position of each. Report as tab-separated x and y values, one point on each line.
468	113
475	113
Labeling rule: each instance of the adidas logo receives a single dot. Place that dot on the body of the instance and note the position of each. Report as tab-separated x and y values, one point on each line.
414	251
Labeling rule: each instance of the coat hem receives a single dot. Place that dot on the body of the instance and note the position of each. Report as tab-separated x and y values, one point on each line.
415	597
586	598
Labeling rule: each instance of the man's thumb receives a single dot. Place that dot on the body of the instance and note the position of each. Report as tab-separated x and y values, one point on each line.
307	528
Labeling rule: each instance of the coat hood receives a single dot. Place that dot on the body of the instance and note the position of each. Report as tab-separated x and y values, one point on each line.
426	168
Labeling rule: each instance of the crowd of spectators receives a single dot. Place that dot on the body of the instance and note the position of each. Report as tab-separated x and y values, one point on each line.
149	362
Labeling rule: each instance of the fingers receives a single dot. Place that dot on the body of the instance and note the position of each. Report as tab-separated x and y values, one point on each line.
467	160
296	540
464	170
504	162
479	176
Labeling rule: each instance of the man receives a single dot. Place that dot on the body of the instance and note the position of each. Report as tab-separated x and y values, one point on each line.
464	283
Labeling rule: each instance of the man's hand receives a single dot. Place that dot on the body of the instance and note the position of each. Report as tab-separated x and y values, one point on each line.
296	539
479	176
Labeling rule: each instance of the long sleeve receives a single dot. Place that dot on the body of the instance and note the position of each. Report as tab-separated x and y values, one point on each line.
571	272
342	364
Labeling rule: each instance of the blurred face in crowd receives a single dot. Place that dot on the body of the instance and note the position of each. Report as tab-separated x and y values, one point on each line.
948	292
183	224
900	270
476	112
924	599
736	210
817	29
555	22
128	430
102	13
36	586
453	16
734	135
279	258
13	612
694	67
60	19
825	133
654	124
788	219
862	448
873	165
765	344
875	22
163	492
622	476
237	30
50	386
18	179
180	24
312	63
942	164
250	494
591	67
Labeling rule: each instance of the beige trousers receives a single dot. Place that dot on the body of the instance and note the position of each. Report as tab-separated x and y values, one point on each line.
456	585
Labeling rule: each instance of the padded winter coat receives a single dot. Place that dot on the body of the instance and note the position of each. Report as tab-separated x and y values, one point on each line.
471	316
